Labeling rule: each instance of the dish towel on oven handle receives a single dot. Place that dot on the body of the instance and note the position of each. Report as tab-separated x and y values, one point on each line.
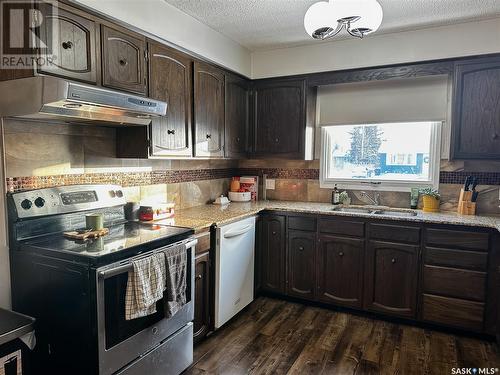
145	286
175	293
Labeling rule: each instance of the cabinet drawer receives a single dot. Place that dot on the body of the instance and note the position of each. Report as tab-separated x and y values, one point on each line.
394	233
454	282
457	239
342	227
453	312
456	258
302	223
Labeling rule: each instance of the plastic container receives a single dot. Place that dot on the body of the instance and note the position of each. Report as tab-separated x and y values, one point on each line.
240	197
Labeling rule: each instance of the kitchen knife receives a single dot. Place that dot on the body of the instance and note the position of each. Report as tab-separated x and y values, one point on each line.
466	184
473	184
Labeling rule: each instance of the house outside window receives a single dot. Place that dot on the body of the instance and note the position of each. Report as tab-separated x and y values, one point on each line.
386	156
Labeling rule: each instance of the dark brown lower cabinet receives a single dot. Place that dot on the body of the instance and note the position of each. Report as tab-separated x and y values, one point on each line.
301	277
391	278
340	270
273	253
202	308
336	261
453	312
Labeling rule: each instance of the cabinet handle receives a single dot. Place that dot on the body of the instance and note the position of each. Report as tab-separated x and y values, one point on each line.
123	62
301	248
495	136
393	260
277	140
209	136
341	254
274	233
67	45
170	131
198	277
238	139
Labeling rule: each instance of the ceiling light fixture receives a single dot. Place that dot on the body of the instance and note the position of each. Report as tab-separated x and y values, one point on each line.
326	19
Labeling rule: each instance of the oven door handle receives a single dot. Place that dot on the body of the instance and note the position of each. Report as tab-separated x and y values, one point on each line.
106	274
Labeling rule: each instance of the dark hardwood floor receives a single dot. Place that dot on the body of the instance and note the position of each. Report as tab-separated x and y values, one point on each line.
279	337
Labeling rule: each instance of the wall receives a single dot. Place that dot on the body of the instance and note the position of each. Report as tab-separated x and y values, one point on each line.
299	181
169	23
472	38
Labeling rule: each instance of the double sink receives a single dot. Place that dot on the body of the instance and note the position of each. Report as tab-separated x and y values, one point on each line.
375	210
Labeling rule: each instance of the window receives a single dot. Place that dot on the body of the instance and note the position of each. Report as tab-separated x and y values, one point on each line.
390	156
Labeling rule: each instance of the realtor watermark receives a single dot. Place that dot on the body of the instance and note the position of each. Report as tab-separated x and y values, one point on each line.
474	371
29	34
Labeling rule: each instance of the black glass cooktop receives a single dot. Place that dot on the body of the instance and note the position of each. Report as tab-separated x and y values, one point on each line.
121	237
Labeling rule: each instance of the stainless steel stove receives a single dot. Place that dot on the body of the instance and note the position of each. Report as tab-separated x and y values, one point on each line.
76	289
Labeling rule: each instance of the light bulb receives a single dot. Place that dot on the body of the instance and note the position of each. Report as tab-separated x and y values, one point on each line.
371	15
318	19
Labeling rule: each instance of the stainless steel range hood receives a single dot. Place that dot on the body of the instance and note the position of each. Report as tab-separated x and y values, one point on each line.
49	98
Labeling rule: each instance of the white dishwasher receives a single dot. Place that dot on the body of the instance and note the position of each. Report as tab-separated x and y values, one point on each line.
234	268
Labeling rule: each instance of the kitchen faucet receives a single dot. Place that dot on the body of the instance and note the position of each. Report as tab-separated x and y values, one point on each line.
374	200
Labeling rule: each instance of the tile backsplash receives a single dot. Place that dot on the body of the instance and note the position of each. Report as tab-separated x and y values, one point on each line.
41	155
299	180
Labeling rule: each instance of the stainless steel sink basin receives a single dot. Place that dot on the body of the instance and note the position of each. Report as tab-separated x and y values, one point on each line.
354	210
376	211
395	213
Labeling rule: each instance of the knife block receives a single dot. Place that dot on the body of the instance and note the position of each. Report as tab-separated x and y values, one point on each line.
465	205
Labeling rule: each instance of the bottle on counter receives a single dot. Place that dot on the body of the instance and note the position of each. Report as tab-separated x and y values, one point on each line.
335	195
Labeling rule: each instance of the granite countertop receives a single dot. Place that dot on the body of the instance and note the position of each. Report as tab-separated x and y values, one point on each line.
202	217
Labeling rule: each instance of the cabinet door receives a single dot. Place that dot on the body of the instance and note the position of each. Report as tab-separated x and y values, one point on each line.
208	110
72	40
391	278
279	123
236	116
273	253
301	271
170	81
476	110
340	270
123	61
202	296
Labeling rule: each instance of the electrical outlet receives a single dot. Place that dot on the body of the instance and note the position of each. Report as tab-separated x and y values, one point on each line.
270	184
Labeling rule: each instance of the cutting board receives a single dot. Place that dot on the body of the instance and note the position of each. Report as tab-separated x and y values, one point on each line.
75	235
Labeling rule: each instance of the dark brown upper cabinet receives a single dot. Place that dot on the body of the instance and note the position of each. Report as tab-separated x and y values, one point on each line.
476	109
391	278
301	278
170	80
283	121
123	61
208	111
237	114
72	40
340	270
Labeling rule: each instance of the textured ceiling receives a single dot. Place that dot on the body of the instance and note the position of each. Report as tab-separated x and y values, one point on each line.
268	24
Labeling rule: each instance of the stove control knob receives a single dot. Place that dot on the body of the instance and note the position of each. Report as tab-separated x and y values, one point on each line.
119	193
112	193
26	204
39	202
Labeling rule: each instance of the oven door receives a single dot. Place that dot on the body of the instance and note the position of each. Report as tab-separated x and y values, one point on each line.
121	341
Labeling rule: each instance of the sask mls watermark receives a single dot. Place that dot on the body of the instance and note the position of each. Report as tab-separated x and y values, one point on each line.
28	34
